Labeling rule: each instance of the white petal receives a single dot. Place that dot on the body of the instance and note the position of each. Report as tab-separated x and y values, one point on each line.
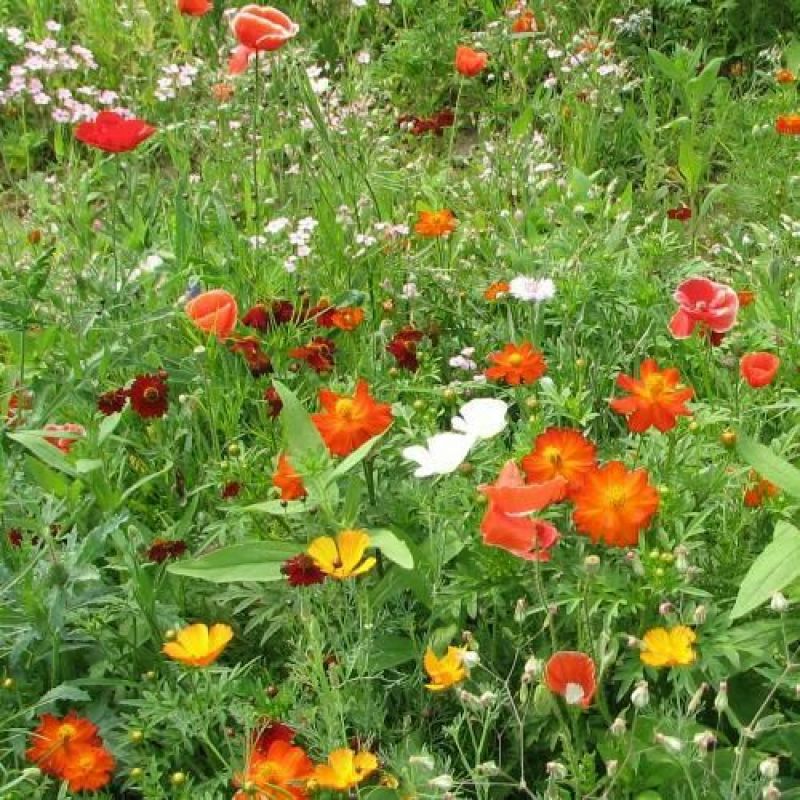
482	418
443	454
573	693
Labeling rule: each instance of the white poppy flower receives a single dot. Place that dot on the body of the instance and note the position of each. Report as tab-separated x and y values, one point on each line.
482	418
444	453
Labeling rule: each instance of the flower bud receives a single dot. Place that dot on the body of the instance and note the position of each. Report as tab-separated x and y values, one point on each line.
487	768
136	774
771	792
618	727
591	564
697	698
612	767
705	741
669	743
665	608
487	699
441	782
769	768
556	770
700	614
424	760
533	668
640	696
721	700
779	603
519	610
177	778
470	659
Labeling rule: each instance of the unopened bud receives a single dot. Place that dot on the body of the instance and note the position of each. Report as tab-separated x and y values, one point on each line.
487	699
618	727
487	768
700	614
670	743
442	782
533	669
640	696
612	767
705	741
591	564
556	770
666	608
771	792
721	700
681	558
769	768
519	610
697	698
470	659
635	562
425	761
779	603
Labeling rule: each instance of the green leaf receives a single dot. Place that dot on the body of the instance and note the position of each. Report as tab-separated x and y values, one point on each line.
64	691
49	479
303	442
776	567
278	507
390	651
44	451
254	561
522	124
355	458
394	548
769	465
108	426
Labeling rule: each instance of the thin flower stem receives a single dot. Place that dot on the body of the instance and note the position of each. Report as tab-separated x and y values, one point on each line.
254	128
537	573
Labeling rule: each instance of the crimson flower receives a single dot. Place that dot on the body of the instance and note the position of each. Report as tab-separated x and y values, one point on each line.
318	354
14	536
403	347
162	549
250	348
681	213
112	401
273	400
114	133
302	571
264	318
149	395
231	489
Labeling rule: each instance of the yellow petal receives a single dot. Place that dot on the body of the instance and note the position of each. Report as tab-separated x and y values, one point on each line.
365	566
324	553
352	545
194	639
219	636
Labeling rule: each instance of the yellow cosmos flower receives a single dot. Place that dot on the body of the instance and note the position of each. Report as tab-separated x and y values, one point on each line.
669	647
446	671
345	769
342	557
198	645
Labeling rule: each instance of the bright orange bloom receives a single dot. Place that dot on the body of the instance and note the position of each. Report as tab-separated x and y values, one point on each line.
447	671
746	297
214	312
615	504
788	124
669	647
345	769
760	490
469	62
525	23
496	290
345	423
195	8
89	769
759	369
436	223
347	319
278	773
56	741
287	480
560	453
516	364
198	645
784	76
572	675
656	400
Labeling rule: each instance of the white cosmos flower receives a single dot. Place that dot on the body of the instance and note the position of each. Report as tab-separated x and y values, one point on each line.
482	418
444	453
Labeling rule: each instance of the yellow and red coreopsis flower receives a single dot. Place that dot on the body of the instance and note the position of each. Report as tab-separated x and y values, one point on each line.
656	399
669	647
447	671
432	224
198	645
342	557
560	453
615	504
345	769
345	423
516	364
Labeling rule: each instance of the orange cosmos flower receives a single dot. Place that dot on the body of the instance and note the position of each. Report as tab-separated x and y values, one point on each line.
496	291
656	400
287	480
614	505
560	453
214	312
516	364
788	124
89	769
436	223
345	423
760	490
469	62
56	741
572	675
784	76
278	772
345	769
746	297
347	319
198	645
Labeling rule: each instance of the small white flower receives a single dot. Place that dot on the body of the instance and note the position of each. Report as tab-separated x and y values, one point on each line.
531	289
483	418
470	659
443	454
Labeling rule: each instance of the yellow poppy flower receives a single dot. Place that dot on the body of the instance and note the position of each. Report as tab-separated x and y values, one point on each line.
342	557
344	770
198	645
671	647
446	671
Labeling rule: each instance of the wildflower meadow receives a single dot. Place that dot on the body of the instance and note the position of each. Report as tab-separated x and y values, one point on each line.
400	400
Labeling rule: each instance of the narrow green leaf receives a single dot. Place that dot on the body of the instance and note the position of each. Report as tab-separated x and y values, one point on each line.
302	439
769	465
254	561
390	651
108	426
394	548
44	451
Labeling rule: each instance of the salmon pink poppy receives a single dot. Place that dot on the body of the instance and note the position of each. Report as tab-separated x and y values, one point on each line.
705	303
114	133
259	28
214	312
469	62
65	443
788	124
572	675
759	369
195	8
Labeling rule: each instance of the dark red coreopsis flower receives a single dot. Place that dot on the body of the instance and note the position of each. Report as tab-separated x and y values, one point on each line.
270	733
435	124
162	549
302	571
318	354
263	317
149	395
273	400
14	537
681	213
321	314
250	348
231	489
403	347
112	402
114	133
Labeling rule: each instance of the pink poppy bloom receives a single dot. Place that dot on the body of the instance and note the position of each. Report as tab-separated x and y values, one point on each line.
65	443
705	303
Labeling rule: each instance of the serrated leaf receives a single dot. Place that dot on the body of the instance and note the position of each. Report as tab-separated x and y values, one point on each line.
254	561
769	465
64	691
394	548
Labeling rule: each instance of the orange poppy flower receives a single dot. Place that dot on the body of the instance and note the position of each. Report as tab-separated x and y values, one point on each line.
614	505
198	645
788	124
572	675
496	290
287	480
759	369
435	223
525	23
560	453
345	423
347	319
89	769
469	62
516	364
214	312
56	741
784	76
195	8
656	400
278	772
263	27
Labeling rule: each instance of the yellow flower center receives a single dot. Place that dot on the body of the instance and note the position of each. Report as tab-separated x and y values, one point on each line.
617	496
344	408
553	456
66	732
515	360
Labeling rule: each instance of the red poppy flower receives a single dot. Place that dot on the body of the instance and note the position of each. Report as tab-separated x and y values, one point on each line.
403	347
149	395
214	312
112	401
759	369
656	399
506	524
195	8
302	571
288	481
162	549
705	303
746	297
318	354
259	28
681	213
469	62
572	675
114	133
273	400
